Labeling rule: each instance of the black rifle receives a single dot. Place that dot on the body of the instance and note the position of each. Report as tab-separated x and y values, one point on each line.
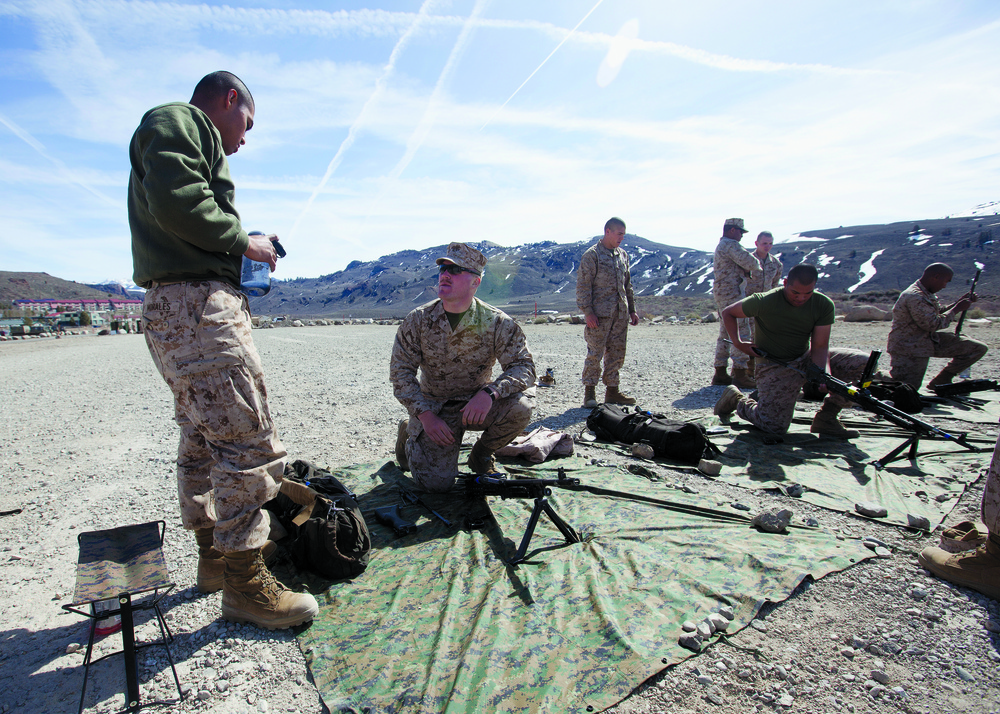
410	497
864	399
479	487
961	318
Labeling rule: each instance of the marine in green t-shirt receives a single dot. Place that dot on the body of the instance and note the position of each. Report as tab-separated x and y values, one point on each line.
791	320
784	329
793	329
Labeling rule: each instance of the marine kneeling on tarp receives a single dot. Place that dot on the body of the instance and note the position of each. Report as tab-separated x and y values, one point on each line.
792	325
454	341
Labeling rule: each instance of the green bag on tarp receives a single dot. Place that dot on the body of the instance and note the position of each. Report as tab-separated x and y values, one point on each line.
327	534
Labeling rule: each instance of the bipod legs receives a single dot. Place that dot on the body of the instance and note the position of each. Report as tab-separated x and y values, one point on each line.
914	441
542	505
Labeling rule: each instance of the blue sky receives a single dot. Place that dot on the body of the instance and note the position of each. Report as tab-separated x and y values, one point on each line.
395	125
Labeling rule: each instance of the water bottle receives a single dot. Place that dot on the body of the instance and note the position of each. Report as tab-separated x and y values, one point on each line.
255	277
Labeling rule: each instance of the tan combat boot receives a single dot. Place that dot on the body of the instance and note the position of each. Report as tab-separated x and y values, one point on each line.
590	397
613	396
250	593
401	437
826	423
978	569
940	380
211	566
721	377
481	461
726	405
743	378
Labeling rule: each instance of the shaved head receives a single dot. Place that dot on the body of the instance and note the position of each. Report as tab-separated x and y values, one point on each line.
937	270
218	84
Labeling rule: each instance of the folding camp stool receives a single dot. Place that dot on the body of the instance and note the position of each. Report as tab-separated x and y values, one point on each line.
125	567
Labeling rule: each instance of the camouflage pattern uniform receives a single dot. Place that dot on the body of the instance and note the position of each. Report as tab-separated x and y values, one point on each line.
770	278
454	365
917	335
230	460
604	289
778	388
732	266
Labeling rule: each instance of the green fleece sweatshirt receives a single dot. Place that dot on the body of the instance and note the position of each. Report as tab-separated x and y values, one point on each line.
180	200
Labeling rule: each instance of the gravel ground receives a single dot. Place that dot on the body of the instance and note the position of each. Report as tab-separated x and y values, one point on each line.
88	442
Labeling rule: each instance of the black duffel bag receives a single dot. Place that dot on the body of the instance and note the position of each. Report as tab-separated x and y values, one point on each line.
327	534
902	395
682	441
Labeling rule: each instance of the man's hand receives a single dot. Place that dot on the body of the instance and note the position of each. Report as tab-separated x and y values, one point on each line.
592	321
262	250
436	428
633	318
964	303
475	411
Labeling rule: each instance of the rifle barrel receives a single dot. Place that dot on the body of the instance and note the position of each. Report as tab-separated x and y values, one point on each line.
961	318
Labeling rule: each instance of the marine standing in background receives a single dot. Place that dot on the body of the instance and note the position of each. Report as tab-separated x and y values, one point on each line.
454	342
731	267
187	250
917	332
770	277
604	295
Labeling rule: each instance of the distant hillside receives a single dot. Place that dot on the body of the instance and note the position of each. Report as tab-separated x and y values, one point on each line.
516	278
857	263
39	286
853	261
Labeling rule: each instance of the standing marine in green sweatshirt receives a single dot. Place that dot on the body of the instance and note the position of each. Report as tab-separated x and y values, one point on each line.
187	250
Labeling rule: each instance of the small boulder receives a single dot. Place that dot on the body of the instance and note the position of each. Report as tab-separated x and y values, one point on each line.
871	509
867	313
773	520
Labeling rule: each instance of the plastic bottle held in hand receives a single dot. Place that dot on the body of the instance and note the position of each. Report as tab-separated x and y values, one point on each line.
255	278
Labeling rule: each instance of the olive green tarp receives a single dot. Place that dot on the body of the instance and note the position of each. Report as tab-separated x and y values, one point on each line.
439	623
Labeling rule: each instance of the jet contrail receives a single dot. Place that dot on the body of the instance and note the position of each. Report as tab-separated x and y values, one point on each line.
570	34
376	94
424	127
63	169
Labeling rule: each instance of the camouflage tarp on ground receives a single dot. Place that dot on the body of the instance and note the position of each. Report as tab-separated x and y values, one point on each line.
837	474
439	623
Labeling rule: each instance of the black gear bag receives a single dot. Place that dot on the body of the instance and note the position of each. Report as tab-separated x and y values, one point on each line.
686	442
327	534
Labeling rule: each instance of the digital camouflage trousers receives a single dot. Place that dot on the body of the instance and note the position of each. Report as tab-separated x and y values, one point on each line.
230	461
778	389
435	467
605	342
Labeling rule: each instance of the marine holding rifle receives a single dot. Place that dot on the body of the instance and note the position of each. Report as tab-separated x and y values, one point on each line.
917	333
792	329
454	342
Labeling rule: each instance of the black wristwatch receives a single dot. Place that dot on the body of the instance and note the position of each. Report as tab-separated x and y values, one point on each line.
491	392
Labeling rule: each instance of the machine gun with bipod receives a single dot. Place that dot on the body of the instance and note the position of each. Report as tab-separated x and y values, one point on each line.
863	398
479	487
860	395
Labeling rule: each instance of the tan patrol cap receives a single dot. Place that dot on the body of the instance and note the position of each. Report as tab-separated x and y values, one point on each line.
464	257
734	223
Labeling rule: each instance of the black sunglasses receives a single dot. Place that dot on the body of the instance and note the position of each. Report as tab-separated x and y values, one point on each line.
453	269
